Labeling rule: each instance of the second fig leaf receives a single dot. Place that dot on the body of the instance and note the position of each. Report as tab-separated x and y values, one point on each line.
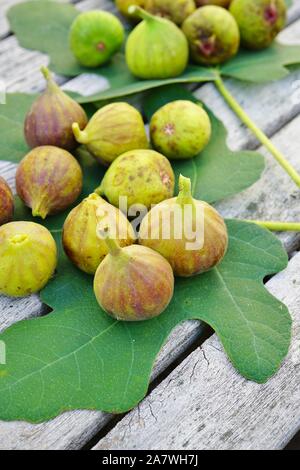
77	357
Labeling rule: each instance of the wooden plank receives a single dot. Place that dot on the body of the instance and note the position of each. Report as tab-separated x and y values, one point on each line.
206	404
72	430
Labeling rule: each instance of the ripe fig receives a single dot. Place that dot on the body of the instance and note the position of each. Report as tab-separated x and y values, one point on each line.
145	177
219	3
180	129
48	180
113	130
50	119
6	202
190	234
95	36
259	21
28	258
133	283
213	35
175	11
80	233
156	48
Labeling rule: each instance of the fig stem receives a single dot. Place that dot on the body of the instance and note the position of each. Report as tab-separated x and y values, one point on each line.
112	244
261	136
80	136
277	226
52	85
185	191
143	14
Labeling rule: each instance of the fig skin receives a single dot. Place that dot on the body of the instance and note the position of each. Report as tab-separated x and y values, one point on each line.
219	3
213	35
6	202
259	21
145	177
48	180
184	261
176	11
180	129
133	283
80	240
95	36
156	48
28	258
50	119
113	130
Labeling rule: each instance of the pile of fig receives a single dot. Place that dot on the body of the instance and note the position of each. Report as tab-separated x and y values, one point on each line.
131	234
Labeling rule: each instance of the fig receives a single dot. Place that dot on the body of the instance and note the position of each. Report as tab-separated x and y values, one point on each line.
28	258
133	283
156	48
219	3
50	119
180	129
95	36
85	248
113	130
189	233
259	21
6	202
48	180
213	35
144	177
175	11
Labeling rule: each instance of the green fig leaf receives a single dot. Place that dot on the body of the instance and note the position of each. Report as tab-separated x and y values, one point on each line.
78	357
216	173
261	66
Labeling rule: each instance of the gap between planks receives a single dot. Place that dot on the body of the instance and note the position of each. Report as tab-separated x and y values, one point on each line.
73	430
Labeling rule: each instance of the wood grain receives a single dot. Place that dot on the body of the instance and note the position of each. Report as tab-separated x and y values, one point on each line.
206	404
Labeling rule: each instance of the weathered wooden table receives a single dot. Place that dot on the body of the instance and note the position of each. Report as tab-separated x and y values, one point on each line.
197	400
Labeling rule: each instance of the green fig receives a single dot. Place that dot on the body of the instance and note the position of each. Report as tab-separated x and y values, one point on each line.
133	283
113	130
50	119
219	3
81	241
6	202
176	11
48	180
189	233
259	21
144	177
95	36
213	35
156	48
180	129
28	258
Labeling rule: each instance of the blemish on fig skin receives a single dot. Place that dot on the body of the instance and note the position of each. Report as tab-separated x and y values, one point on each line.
271	14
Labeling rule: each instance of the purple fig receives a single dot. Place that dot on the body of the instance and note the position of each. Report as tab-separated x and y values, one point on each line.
6	202
49	180
50	119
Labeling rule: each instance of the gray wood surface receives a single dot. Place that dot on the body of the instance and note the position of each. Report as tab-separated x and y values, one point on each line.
206	404
21	71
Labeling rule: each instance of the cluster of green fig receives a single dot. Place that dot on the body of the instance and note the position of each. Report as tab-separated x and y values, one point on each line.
170	32
133	270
